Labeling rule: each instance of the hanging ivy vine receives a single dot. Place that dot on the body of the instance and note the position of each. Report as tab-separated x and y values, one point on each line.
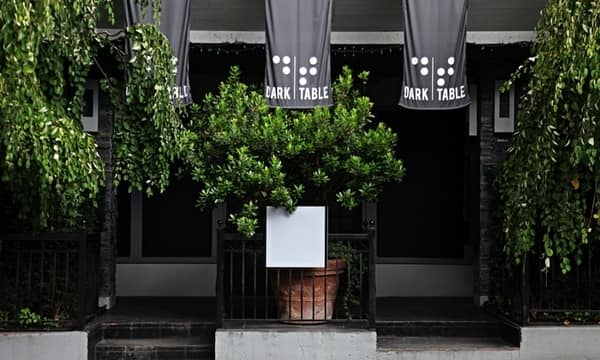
149	134
49	167
50	170
549	183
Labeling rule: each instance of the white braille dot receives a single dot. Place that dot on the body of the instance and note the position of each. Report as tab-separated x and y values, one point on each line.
451	60
303	71
441	71
414	60
276	59
424	61
286	70
424	71
286	60
302	81
441	82
313	60
313	71
450	71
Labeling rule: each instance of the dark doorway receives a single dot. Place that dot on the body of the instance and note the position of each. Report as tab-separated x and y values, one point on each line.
424	216
173	226
168	225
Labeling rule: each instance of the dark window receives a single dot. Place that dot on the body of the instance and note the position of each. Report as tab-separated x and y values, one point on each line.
505	104
344	221
88	103
172	226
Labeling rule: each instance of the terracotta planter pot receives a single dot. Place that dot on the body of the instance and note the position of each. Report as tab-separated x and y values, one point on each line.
310	296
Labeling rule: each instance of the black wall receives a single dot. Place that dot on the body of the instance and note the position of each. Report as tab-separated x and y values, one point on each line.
357	15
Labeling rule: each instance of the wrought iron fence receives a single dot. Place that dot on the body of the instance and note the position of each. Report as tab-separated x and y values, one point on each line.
537	293
249	292
48	281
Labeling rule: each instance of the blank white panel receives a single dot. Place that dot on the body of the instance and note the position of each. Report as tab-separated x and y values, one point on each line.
298	239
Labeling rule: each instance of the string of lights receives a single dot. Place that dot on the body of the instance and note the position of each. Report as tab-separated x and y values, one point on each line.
341	50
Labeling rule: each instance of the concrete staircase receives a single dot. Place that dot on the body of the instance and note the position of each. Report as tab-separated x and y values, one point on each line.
155	341
440	329
444	348
480	339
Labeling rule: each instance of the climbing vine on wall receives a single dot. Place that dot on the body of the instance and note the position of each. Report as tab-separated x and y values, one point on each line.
50	170
149	134
549	184
49	167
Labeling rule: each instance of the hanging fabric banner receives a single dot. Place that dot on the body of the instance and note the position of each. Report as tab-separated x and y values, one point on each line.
435	33
298	70
175	25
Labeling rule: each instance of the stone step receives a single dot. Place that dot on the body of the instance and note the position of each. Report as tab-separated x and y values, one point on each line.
188	348
149	330
310	342
440	328
442	348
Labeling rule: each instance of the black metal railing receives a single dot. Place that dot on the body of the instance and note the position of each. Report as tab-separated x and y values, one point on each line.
249	292
48	281
537	291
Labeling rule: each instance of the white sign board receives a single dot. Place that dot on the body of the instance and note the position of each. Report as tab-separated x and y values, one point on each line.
296	240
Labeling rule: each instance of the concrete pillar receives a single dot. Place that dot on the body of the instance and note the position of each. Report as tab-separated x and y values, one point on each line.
106	286
495	63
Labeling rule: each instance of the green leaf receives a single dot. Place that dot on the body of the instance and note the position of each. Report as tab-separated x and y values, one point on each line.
28	68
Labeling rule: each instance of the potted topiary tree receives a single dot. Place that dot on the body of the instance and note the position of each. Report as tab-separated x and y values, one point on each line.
251	155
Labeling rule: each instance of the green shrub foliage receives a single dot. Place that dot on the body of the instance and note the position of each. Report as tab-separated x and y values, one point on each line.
247	153
549	183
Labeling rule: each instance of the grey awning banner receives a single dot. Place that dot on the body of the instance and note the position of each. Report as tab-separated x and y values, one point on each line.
435	33
298	70
175	25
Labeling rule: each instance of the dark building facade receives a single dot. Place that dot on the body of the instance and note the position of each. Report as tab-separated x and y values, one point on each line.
433	228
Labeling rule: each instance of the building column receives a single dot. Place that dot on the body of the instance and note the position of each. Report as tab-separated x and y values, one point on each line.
107	261
496	64
487	165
